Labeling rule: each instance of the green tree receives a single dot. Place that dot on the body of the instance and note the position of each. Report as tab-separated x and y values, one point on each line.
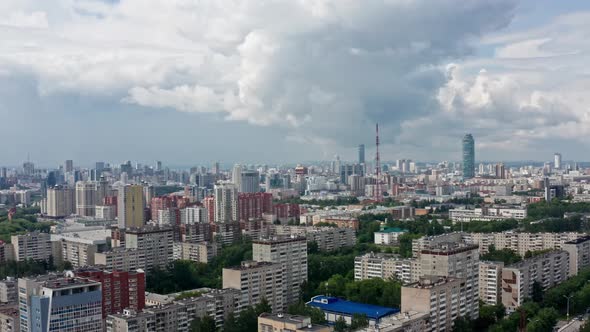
262	307
231	324
358	322
462	324
203	324
340	325
537	294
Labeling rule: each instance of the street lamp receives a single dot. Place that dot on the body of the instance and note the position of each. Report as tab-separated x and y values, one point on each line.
568	305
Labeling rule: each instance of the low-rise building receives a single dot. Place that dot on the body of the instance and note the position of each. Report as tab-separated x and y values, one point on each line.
547	270
388	235
335	308
288	323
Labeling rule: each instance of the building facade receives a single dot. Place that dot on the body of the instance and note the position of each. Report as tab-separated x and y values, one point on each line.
130	205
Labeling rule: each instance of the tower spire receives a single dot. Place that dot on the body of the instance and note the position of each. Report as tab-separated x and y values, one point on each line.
378	194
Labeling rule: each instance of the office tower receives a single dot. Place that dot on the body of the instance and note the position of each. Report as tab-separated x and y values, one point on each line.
557	160
548	270
28	168
257	281
69	166
249	182
130	206
216	169
357	184
60	201
226	203
442	297
579	254
236	175
85	198
468	157
500	171
103	189
194	215
54	303
33	245
3	172
99	166
361	154
490	282
120	289
291	253
254	205
457	259
155	242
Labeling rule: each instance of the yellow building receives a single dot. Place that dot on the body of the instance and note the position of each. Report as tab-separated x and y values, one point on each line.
130	206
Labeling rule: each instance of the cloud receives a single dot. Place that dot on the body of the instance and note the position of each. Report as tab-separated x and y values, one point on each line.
18	19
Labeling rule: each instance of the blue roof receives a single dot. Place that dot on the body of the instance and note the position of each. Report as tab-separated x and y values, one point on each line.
348	308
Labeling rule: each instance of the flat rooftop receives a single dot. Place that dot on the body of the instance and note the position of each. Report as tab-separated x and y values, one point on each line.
349	308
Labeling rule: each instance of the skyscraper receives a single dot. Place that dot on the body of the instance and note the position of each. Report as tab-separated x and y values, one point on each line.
236	175
69	166
226	203
249	182
557	160
361	154
130	206
468	157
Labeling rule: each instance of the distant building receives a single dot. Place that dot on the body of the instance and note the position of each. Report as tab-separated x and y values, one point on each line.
388	235
226	203
335	308
288	323
487	214
131	207
254	205
60	202
326	238
361	154
85	198
468	156
249	182
557	160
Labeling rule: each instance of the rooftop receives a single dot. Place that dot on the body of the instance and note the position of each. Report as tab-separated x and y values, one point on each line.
579	240
392	230
334	304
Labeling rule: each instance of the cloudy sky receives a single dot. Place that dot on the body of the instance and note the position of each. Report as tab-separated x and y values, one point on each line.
193	81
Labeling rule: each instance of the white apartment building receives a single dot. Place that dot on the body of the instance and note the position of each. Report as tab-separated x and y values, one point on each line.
226	203
487	214
386	266
33	245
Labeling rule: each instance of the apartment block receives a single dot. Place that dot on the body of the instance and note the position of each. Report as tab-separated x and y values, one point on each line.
33	245
120	289
490	282
327	238
520	242
291	253
77	250
201	252
443	298
255	281
8	292
487	214
386	266
130	321
288	323
9	318
155	242
548	270
55	303
579	254
121	259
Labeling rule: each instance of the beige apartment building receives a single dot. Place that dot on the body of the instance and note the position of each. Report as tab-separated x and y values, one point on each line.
386	266
520	242
255	281
201	252
579	254
548	270
121	259
490	282
33	245
154	241
288	323
327	238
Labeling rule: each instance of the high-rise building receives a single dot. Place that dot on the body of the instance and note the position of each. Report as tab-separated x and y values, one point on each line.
194	215
103	189
28	168
361	154
155	242
468	157
386	266
60	202
120	289
249	182
236	175
69	166
490	282
226	203
579	254
291	253
257	281
55	303
500	171
253	205
86	198
557	160
33	245
130	206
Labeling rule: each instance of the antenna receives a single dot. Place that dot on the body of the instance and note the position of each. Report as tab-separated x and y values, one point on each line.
378	194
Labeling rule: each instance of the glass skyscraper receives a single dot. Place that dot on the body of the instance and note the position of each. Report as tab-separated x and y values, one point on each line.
468	157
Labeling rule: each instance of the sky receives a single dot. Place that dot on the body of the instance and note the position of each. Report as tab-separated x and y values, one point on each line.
271	81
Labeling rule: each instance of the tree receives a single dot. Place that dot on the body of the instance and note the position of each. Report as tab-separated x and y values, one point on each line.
263	307
461	324
358	322
203	324
231	324
537	295
340	325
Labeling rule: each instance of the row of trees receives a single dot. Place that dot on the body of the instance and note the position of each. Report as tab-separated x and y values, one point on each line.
30	267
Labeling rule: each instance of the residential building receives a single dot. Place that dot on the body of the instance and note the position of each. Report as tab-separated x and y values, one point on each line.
490	282
411	321
487	214
55	303
131	321
201	252
130	205
350	222
288	323
291	253
326	238
8	292
79	248
442	297
9	318
85	198
120	289
519	242
249	182
121	259
154	241
335	308
255	281
386	266
253	205
33	245
106	212
194	215
579	254
60	202
547	270
388	235
226	203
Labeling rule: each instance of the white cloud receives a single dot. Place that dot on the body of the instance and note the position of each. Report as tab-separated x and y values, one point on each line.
19	19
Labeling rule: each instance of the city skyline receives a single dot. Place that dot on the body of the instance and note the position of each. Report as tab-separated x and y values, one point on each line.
78	72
